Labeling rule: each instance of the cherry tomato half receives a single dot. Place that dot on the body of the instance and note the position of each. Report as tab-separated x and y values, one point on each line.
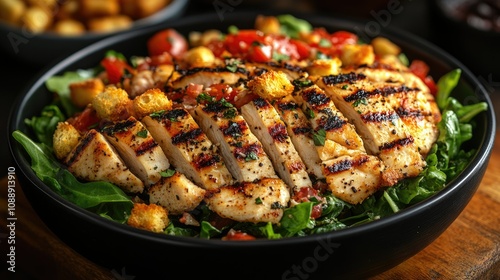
168	40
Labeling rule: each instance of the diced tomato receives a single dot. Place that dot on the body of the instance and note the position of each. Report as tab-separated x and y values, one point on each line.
161	59
260	53
421	70
304	194
240	42
238	235
341	38
168	40
85	120
303	49
115	68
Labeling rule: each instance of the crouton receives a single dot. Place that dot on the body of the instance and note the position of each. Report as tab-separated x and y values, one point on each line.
324	67
99	8
150	217
153	100
65	138
383	46
271	85
82	92
357	55
176	193
200	56
140	9
12	10
113	104
36	19
268	24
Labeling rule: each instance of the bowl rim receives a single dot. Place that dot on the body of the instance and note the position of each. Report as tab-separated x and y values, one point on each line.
169	12
481	157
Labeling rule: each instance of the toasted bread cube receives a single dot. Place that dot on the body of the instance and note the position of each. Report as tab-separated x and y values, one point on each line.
324	67
383	46
271	85
151	101
68	10
109	24
113	104
268	24
176	193
65	138
48	4
99	8
200	56
357	55
12	10
82	93
150	217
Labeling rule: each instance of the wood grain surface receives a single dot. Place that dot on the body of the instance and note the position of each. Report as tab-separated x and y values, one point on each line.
468	249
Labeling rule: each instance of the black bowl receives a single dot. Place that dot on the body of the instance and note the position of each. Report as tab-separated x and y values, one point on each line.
356	252
44	48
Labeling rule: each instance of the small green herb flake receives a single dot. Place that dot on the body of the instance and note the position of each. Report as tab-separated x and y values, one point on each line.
345	87
309	113
204	97
143	133
167	173
230	113
258	200
251	156
276	205
363	101
325	43
232	29
280	57
157	114
319	137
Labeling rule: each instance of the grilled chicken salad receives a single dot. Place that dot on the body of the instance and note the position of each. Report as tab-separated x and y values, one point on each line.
278	131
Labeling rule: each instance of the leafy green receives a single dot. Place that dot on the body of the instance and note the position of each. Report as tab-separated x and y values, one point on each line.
103	198
44	125
60	85
296	219
292	26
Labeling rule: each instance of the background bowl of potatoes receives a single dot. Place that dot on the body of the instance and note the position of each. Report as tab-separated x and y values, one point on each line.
42	31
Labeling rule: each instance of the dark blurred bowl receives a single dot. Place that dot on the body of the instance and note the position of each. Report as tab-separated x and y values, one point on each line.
44	48
354	253
475	47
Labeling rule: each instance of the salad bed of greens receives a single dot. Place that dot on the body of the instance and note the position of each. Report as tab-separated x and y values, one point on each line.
445	161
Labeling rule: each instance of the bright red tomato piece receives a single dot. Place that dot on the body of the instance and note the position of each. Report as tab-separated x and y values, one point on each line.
115	68
85	120
238	235
168	40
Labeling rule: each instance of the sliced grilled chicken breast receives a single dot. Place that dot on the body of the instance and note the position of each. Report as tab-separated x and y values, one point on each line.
187	148
292	71
300	130
414	103
259	201
138	149
267	125
326	118
208	77
368	106
94	159
176	193
353	178
243	153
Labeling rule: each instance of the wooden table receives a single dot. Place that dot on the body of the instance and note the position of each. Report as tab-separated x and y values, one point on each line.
468	249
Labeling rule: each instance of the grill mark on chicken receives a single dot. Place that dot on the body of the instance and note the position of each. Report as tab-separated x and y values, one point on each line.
397	143
215	107
409	113
187	136
118	127
346	164
315	98
278	132
234	129
244	153
82	145
379	116
145	147
384	91
192	71
330	122
287	66
287	106
302	130
343	78
261	103
206	160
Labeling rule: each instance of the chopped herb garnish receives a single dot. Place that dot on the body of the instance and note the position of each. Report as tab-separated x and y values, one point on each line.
251	156
345	87
319	137
232	64
157	114
279	56
225	103
115	54
167	173
276	205
143	133
404	59
233	29
325	43
258	200
302	83
309	113
230	113
204	97
363	101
